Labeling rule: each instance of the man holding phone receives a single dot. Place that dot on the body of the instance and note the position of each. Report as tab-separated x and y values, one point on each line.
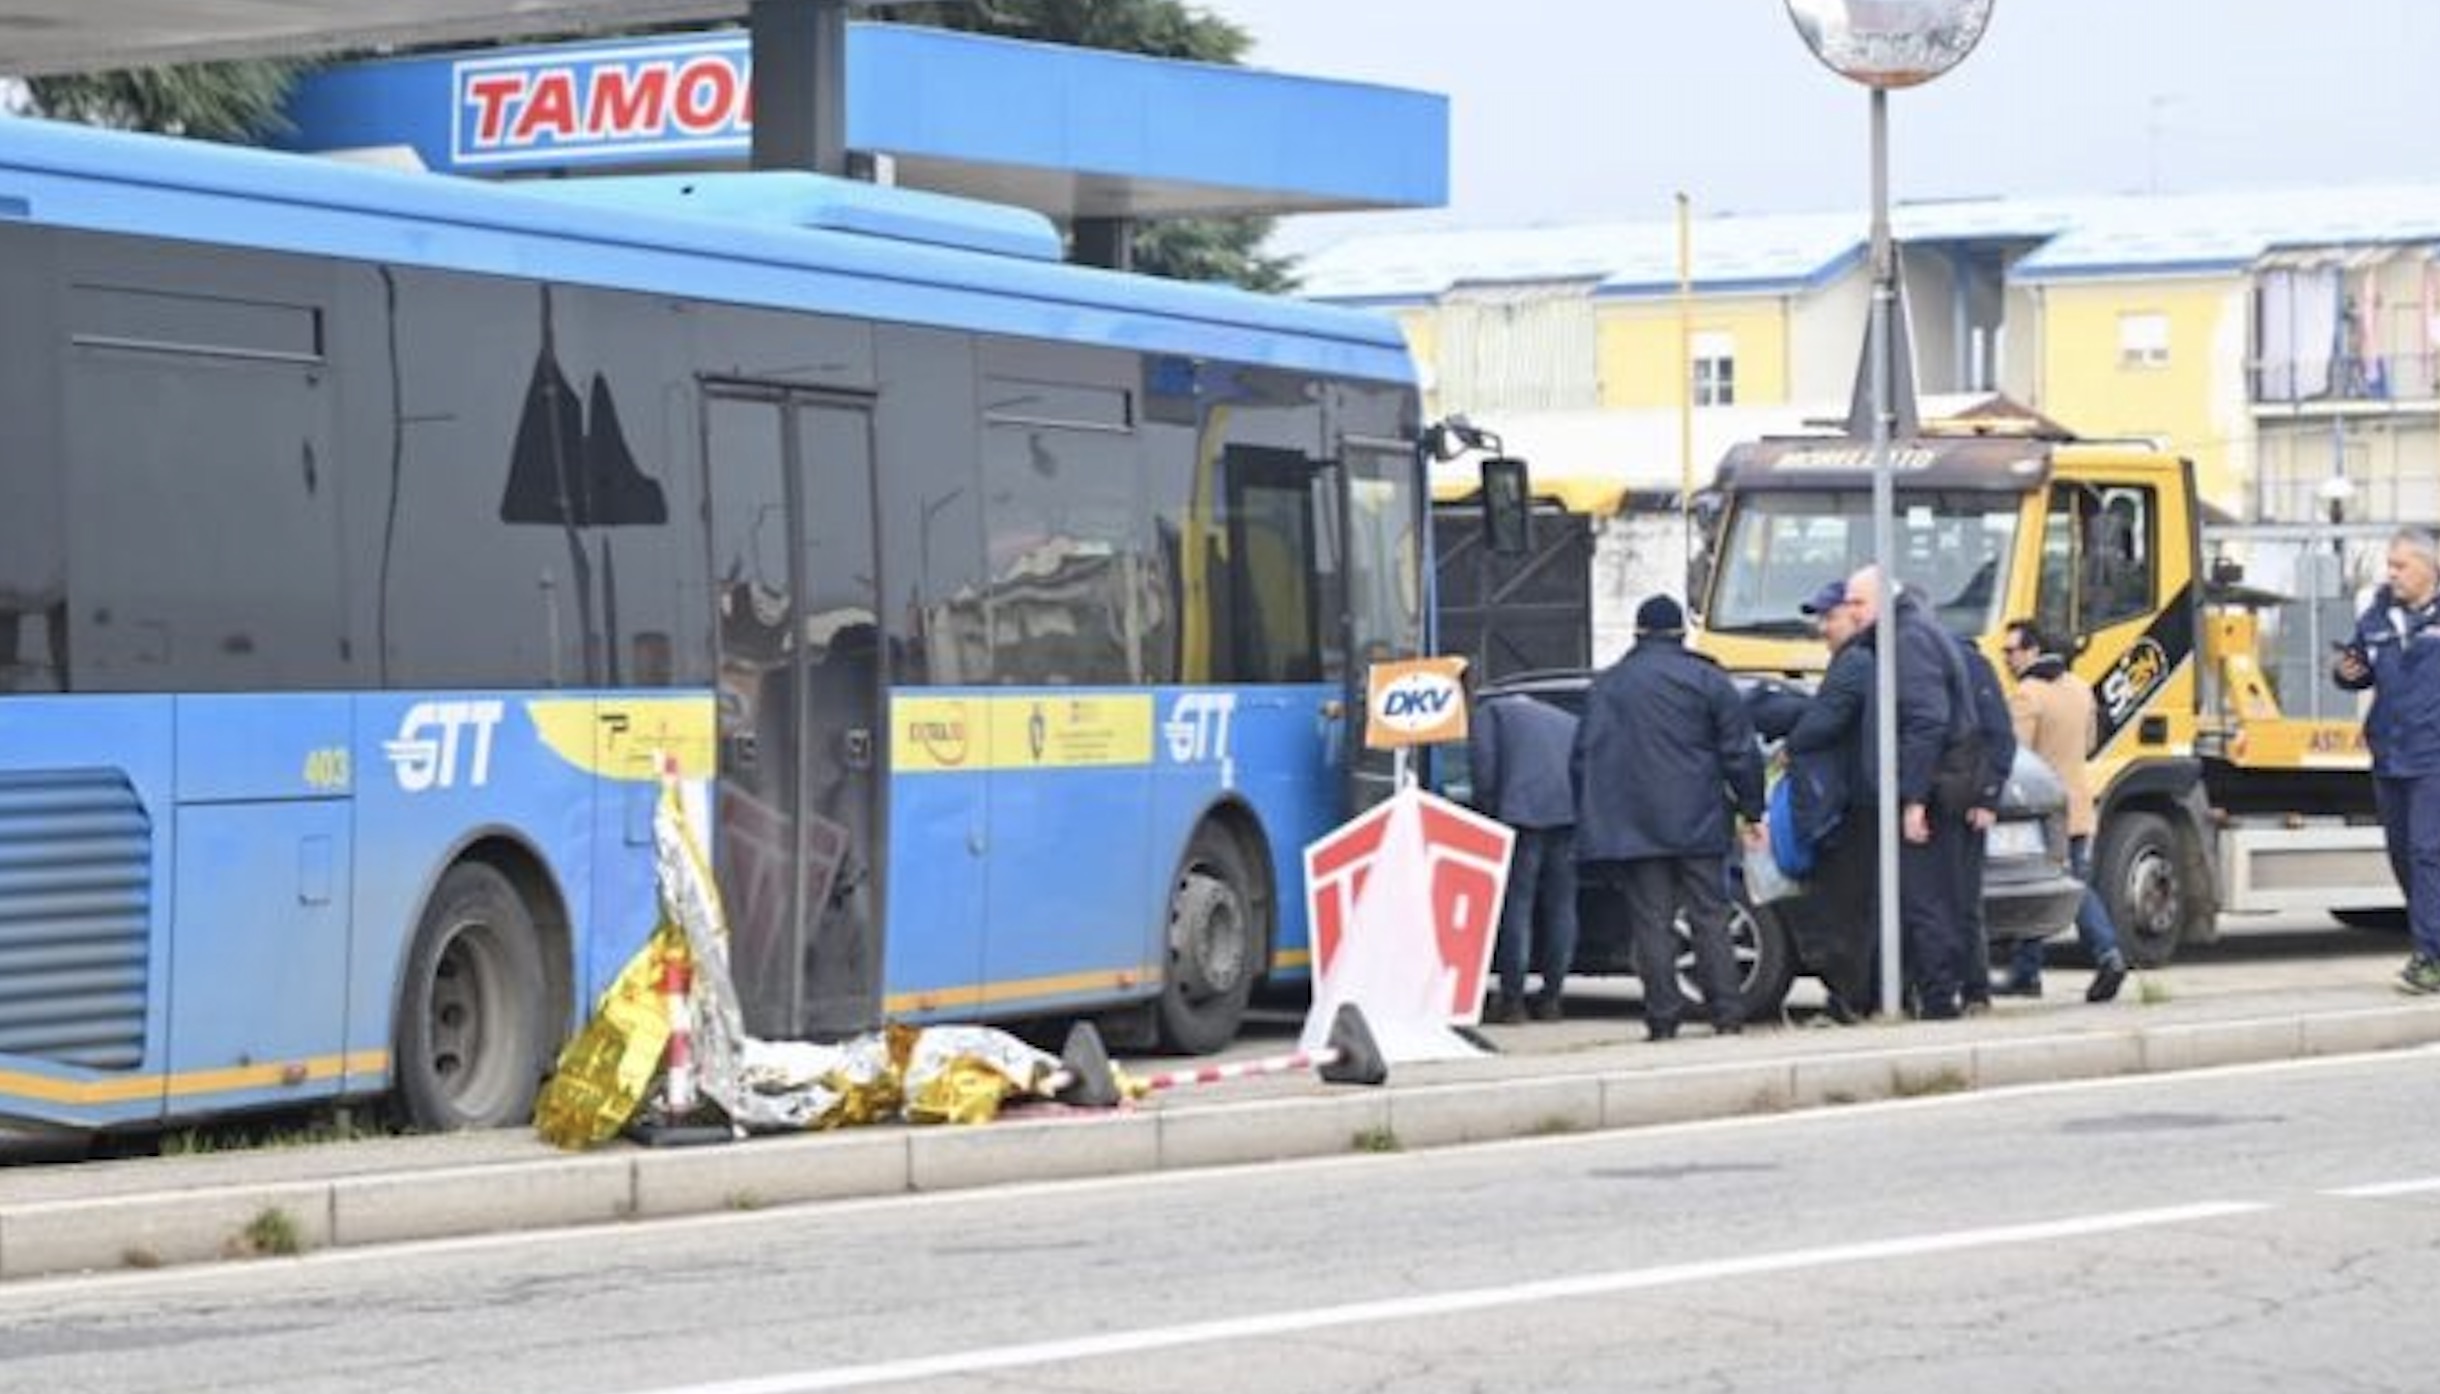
2396	653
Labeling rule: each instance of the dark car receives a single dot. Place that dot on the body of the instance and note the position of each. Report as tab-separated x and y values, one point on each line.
2027	893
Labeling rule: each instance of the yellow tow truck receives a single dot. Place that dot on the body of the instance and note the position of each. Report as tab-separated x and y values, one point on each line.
2211	798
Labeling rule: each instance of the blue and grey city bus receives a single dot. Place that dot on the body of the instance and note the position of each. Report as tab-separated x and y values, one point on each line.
366	539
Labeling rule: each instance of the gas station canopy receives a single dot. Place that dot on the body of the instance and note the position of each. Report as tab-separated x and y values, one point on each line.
1073	133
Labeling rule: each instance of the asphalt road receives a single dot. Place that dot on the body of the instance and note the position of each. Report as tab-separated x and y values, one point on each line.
2268	1228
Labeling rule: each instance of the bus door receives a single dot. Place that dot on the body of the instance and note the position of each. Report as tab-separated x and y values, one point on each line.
1379	504
796	591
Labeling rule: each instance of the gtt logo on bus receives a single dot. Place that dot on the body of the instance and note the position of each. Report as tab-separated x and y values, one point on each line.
575	106
441	744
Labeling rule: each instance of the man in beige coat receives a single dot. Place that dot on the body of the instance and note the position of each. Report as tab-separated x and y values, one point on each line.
2054	714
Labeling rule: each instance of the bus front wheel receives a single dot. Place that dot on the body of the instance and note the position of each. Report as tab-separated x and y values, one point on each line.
469	1019
1215	945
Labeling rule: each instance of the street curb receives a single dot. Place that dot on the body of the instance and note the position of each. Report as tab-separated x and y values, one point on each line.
212	1222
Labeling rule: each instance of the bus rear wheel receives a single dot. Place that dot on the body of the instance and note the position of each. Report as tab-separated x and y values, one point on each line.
1215	945
470	1011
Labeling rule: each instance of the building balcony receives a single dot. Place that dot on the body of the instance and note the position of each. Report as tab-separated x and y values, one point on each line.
2345	385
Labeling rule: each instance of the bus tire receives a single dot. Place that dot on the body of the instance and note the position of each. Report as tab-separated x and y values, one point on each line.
470	1009
2147	881
1216	937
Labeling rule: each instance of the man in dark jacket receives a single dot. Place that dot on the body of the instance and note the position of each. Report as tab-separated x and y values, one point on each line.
1986	706
1663	755
1841	719
2396	653
1518	754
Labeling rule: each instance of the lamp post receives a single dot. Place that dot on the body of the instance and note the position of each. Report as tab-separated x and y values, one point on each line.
1885	44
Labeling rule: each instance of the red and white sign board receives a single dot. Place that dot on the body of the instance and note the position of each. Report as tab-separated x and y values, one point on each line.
1404	904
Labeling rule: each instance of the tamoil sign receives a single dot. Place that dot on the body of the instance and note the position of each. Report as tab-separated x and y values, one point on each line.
571	106
1415	702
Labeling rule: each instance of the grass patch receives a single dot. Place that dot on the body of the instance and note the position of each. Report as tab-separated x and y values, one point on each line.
2150	991
138	1257
1377	1140
743	1200
271	1233
257	1134
1945	1080
1554	1125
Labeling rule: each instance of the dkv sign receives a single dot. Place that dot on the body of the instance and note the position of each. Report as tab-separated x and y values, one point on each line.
1418	701
1404	903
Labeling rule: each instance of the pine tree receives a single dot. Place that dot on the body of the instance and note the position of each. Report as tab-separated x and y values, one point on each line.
239	102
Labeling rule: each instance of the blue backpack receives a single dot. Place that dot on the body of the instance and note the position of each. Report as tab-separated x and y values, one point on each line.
1796	856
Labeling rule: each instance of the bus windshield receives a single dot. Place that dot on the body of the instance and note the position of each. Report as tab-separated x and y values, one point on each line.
1780	546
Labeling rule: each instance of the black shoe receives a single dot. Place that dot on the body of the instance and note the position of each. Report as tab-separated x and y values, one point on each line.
2107	979
1544	1007
1941	1009
2018	987
1503	1010
1661	1031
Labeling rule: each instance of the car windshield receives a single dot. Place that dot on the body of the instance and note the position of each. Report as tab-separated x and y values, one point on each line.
1781	545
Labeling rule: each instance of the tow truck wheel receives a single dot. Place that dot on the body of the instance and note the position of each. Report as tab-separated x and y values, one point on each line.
2144	880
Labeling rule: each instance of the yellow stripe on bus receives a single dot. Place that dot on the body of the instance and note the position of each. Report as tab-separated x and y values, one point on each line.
617	737
1049	731
985	994
120	1089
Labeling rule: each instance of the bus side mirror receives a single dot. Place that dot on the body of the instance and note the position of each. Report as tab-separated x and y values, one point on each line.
1507	507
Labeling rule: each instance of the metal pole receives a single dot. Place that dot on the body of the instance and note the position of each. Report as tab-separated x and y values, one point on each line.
799	52
1884	551
1685	327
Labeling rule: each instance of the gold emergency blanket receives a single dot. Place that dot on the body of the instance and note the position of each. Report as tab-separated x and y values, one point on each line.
606	1073
612	1070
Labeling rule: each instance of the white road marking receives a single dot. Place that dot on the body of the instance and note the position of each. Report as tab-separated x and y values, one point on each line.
2387	1188
1272	1324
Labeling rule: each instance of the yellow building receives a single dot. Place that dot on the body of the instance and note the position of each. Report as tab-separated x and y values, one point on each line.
2280	340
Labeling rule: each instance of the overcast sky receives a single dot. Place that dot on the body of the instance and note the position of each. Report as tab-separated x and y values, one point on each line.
1584	110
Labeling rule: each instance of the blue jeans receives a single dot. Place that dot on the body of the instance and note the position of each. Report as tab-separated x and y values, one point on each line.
2093	928
1538	915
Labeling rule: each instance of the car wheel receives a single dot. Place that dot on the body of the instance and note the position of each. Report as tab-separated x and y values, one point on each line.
1766	962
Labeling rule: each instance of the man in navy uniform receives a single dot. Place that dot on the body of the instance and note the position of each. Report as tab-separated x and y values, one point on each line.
1517	754
1665	754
